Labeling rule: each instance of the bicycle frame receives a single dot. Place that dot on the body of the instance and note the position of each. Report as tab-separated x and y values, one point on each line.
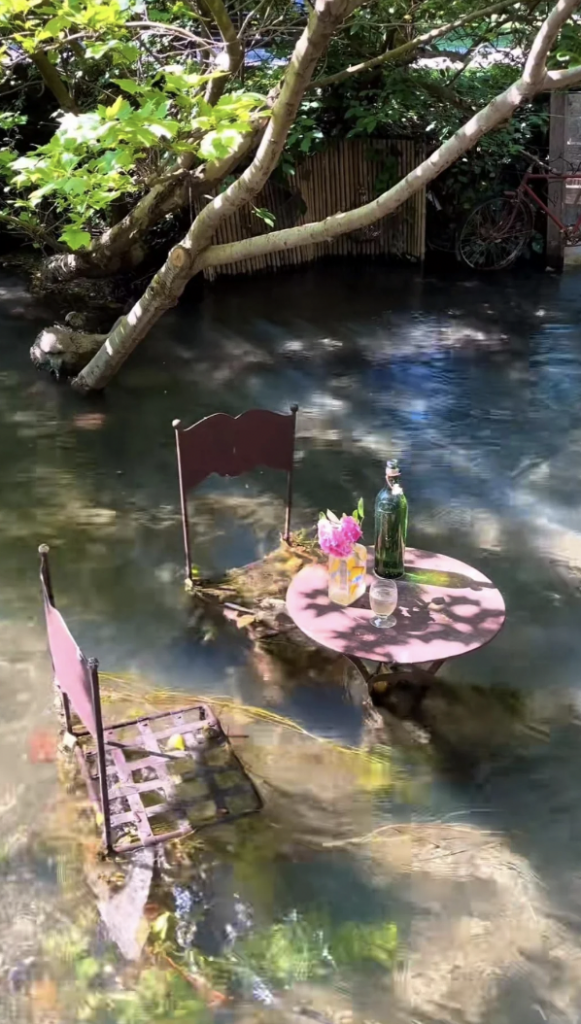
524	189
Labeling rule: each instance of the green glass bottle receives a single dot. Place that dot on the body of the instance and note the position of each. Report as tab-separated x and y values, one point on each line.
391	521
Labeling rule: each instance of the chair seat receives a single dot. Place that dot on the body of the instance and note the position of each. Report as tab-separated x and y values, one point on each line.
168	775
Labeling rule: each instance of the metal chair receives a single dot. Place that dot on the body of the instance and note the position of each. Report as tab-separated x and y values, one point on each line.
152	778
229	446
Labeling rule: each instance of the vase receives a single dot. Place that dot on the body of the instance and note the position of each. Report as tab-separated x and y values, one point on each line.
347	576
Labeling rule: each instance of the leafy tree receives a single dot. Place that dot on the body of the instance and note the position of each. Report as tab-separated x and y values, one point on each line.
208	97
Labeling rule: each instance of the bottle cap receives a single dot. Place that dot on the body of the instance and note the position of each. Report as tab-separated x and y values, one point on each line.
392	467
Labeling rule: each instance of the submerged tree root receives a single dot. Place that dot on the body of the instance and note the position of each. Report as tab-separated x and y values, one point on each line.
64	351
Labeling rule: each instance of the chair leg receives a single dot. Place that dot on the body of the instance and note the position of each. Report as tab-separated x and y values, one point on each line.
67	712
289	505
101	759
289	489
184	504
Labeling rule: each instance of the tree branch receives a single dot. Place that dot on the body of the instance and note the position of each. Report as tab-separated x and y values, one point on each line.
535	67
54	82
562	79
497	111
323	21
170	281
34	231
233	49
172	30
445	94
391	56
186	259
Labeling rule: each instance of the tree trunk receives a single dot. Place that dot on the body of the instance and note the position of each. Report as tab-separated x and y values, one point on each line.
196	252
169	283
162	293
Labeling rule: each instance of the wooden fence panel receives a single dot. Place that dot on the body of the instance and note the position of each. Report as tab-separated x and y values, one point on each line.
338	179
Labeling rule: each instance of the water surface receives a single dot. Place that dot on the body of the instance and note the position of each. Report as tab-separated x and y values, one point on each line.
474	385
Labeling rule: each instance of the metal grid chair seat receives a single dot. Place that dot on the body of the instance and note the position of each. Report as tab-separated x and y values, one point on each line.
153	778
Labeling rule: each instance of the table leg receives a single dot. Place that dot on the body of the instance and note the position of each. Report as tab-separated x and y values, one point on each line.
382	673
364	672
379	679
436	666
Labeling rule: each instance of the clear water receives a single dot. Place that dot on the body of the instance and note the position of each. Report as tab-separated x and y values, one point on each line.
475	386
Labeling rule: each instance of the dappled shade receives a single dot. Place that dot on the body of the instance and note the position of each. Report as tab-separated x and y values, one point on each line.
451	609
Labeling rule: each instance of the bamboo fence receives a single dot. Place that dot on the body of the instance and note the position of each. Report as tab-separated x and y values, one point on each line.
335	180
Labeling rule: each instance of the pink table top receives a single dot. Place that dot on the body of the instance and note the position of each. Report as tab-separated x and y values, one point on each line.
445	608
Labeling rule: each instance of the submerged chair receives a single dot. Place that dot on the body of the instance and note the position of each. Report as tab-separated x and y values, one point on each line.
230	446
152	778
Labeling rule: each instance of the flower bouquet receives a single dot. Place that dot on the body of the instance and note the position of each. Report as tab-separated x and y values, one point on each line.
347	559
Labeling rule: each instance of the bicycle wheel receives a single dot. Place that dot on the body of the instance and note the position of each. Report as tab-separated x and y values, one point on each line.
495	233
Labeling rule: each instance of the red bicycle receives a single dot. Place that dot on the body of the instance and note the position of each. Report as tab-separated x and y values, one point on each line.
497	231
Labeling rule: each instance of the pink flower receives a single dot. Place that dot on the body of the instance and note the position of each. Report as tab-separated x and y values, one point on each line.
338	538
351	528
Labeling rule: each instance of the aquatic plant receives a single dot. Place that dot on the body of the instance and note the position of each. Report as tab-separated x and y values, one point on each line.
297	949
98	993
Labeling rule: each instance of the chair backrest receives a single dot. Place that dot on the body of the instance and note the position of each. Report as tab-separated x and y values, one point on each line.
71	668
231	445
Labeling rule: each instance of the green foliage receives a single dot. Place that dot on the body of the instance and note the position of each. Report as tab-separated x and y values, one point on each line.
359	512
160	995
154	994
94	158
569	48
69	944
142	107
374	944
265	215
286	953
307	134
147	113
303	948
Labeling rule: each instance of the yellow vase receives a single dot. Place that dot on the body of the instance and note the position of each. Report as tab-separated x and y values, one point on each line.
347	576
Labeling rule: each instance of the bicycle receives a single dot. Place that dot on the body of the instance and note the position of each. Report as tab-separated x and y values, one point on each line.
496	232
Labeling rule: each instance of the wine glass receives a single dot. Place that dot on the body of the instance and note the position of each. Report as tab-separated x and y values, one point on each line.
383	601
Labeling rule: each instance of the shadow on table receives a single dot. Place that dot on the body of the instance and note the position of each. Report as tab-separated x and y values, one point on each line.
420	621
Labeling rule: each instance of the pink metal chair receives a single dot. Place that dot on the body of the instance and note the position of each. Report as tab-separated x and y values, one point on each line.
229	446
147	789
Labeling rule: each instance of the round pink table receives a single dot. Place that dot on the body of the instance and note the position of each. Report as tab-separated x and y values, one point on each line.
445	608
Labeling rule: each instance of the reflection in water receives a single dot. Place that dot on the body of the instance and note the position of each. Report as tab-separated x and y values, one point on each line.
474	385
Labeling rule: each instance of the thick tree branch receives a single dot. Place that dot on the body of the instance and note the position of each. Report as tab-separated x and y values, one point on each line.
562	79
54	82
188	257
325	18
168	284
535	67
400	52
497	111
